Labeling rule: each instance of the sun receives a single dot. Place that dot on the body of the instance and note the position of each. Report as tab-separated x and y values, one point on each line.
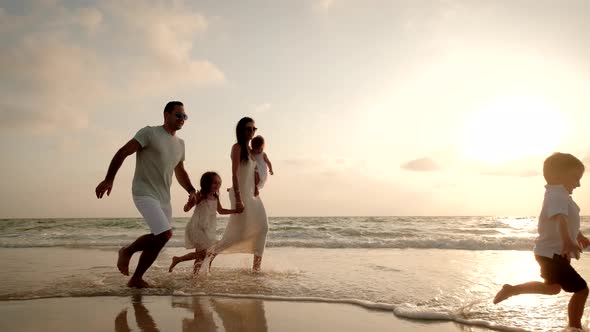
512	128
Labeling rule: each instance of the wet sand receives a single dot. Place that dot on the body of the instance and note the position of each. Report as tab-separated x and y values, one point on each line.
200	313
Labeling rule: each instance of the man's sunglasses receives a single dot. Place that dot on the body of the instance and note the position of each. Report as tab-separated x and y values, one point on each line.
251	129
181	116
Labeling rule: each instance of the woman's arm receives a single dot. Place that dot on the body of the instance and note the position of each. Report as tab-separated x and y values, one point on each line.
221	210
235	166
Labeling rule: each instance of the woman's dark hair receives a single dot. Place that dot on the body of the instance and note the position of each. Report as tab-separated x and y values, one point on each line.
206	181
241	137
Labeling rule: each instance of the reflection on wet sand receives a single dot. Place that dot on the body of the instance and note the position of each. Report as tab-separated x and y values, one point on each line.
234	315
243	315
202	320
144	320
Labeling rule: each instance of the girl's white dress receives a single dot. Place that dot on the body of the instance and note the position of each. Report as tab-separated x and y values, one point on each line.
199	233
246	231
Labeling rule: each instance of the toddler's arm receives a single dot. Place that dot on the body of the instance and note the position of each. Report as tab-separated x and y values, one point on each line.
582	240
269	164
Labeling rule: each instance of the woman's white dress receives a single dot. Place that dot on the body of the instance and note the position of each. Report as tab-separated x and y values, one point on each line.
199	233
246	231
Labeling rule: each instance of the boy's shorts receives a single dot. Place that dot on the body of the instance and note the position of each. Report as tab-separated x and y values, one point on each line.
558	270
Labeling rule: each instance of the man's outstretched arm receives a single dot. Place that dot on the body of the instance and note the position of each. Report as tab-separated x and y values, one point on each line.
106	185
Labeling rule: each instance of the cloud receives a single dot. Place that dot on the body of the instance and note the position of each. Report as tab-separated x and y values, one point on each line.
262	108
89	18
55	74
586	161
322	5
421	165
523	173
325	4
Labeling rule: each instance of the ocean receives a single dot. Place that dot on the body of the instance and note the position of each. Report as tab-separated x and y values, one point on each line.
418	268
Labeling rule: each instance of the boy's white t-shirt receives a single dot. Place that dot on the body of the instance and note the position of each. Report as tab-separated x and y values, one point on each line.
557	201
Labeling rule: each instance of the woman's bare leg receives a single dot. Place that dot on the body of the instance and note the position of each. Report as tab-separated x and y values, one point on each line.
200	257
257	263
211	258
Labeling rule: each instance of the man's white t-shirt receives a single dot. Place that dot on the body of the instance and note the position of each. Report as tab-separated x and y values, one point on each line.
155	162
557	201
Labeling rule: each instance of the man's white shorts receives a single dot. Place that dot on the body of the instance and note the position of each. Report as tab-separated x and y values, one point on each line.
157	215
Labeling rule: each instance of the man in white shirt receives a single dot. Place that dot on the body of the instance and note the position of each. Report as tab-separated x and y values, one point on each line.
159	153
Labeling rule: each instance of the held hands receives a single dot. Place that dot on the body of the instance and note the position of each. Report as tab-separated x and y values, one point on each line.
193	199
104	186
239	206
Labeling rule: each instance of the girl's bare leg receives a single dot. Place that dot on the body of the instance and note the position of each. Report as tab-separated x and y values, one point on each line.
257	263
200	257
175	260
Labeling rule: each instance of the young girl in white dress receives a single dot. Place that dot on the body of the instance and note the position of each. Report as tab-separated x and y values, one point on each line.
199	233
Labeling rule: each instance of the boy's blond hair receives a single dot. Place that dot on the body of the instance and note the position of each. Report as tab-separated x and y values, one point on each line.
559	163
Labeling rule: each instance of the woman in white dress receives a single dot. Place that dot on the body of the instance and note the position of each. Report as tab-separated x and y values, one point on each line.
245	232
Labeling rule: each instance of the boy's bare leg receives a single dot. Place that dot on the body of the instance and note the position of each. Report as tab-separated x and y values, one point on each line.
200	257
533	287
256	264
175	260
147	258
575	308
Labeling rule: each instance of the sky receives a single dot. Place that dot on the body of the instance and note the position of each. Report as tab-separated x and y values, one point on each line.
368	107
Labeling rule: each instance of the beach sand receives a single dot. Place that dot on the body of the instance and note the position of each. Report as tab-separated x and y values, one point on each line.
70	289
199	313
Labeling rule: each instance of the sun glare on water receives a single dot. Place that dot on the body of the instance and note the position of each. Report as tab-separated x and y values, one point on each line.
512	128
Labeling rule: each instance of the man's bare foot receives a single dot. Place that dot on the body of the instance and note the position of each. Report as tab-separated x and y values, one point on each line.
138	283
504	293
123	261
175	260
